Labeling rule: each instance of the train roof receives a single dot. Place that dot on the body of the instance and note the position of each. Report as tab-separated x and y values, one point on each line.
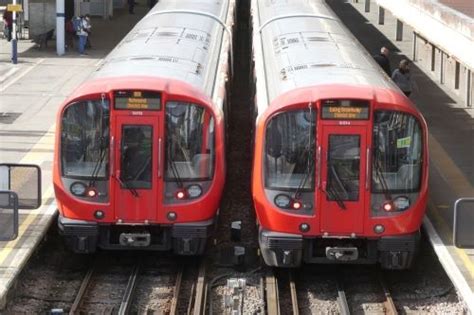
184	45
303	44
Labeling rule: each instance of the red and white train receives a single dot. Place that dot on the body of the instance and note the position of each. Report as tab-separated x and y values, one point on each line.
340	170
139	157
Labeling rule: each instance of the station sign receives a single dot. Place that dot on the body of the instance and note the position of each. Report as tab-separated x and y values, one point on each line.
345	109
14	8
137	100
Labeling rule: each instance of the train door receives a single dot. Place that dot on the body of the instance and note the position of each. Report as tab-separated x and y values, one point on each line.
343	181
137	158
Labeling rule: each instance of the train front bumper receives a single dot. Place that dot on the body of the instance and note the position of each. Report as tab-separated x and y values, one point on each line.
290	250
183	238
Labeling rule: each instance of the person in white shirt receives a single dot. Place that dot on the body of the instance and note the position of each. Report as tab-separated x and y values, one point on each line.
83	31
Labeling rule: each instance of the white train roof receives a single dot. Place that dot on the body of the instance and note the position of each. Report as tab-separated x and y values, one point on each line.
303	43
176	45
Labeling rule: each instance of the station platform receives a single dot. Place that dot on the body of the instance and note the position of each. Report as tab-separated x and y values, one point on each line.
451	141
31	92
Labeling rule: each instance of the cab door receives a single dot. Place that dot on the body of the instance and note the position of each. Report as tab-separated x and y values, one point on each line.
343	179
137	168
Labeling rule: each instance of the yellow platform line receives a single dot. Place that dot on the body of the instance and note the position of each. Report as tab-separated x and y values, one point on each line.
47	141
446	230
461	187
29	219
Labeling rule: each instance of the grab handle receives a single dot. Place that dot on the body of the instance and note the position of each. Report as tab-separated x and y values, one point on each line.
159	157
318	168
367	170
112	156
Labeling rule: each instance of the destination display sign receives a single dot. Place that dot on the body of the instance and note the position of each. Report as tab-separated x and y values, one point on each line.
137	100
345	109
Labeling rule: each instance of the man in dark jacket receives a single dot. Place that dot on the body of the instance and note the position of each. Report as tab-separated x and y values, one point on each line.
382	60
8	24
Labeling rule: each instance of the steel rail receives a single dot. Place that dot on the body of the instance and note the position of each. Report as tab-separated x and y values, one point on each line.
200	296
82	290
177	289
389	305
129	291
271	295
341	298
294	296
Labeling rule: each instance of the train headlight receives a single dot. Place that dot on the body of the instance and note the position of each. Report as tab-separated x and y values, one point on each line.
388	206
296	205
180	194
194	191
401	203
91	192
78	189
282	201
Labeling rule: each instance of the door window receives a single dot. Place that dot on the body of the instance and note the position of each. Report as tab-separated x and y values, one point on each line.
136	159
343	168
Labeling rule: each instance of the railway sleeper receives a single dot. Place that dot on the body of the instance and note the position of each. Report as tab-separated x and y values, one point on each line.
289	250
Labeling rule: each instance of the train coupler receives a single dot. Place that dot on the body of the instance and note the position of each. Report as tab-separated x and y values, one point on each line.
342	253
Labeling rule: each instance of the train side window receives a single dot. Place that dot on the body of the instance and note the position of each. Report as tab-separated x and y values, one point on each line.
84	139
397	154
190	143
289	150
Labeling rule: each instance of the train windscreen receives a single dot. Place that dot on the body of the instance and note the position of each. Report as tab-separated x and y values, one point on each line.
84	139
289	147
397	154
190	148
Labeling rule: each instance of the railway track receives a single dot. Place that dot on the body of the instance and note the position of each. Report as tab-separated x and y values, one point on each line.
166	288
280	287
284	292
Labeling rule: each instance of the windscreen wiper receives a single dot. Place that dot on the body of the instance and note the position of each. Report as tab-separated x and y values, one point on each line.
381	177
125	185
309	160
174	169
309	170
334	196
335	192
98	164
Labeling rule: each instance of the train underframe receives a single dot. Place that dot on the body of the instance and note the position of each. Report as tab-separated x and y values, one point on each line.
181	238
290	250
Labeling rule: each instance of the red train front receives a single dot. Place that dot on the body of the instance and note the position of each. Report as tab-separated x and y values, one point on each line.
340	167
139	160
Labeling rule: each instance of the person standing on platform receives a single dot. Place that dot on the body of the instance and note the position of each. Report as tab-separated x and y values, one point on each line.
402	77
383	61
82	33
8	24
131	6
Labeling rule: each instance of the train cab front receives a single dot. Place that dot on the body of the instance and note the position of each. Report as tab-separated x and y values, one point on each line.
138	168
340	181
